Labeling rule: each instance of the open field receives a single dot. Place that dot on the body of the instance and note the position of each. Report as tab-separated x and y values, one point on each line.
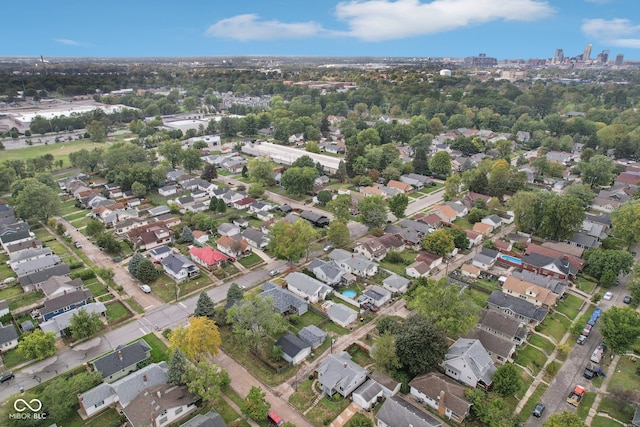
59	151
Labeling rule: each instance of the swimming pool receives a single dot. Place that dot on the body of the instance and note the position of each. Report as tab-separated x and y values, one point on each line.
349	293
511	259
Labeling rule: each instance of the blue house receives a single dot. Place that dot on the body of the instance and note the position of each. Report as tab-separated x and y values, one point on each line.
64	303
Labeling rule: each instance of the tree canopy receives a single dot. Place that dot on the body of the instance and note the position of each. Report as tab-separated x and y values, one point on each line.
198	340
373	210
620	327
420	345
291	241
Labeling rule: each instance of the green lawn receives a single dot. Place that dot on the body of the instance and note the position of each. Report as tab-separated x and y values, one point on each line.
303	396
359	355
532	358
12	358
97	289
463	222
69	207
10	291
250	260
107	418
554	325
135	306
165	287
599	421
432	188
159	350
625	375
542	343
527	409
309	318
325	411
25	300
570	306
116	311
620	411
479	297
75	215
585	405
584	285
60	151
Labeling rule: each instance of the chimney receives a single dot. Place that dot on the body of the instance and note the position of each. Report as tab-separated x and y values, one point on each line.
144	378
345	365
441	407
120	355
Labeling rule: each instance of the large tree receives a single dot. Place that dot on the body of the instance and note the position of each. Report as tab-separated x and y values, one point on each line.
84	324
626	223
440	163
37	345
440	242
443	304
291	241
206	379
338	234
384	353
420	345
565	419
341	207
191	159
507	380
606	264
373	211
398	204
234	292
597	171
199	340
177	367
261	170
620	327
255	406
36	200
205	306
299	181
253	320
209	172
172	152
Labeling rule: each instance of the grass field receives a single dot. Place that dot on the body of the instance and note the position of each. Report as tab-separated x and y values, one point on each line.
59	151
532	358
116	311
250	260
625	375
570	306
304	396
585	405
554	325
542	343
527	409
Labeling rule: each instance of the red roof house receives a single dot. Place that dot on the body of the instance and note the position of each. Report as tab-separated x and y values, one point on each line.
207	256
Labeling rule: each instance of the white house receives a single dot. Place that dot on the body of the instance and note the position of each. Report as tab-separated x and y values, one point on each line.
294	349
8	337
179	267
307	287
342	315
354	263
168	190
468	362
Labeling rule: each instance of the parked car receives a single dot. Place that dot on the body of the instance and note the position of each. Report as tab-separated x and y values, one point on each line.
587	330
627	299
581	339
273	273
328	248
6	377
373	308
607	296
77	245
145	288
538	410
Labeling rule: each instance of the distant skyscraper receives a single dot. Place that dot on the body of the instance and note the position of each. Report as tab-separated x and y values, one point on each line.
559	55
619	59
605	56
587	53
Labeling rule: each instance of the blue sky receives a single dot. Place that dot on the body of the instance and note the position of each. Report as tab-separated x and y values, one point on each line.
411	28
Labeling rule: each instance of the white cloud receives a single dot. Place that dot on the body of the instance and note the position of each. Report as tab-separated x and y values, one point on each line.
615	32
70	42
250	27
376	20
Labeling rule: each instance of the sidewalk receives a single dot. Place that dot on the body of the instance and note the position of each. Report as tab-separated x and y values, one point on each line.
552	357
593	411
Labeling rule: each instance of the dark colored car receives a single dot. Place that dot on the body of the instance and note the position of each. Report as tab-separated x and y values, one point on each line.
538	410
6	377
627	299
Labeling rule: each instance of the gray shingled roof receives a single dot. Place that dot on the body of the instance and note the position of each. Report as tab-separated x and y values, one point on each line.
369	390
306	284
475	357
29	253
291	345
7	333
517	305
340	312
283	300
36	264
210	419
122	357
65	300
493	343
42	275
396	282
396	411
313	335
176	262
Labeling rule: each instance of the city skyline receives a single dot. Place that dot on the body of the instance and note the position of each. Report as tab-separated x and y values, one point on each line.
504	29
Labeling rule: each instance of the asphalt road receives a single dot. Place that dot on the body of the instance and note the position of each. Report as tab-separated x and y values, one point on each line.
420	204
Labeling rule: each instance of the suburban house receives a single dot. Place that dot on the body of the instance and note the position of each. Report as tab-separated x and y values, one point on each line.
530	292
159	210
416	180
59	285
63	303
461	209
354	263
128	224
8	337
341	315
313	335
367	395
255	238
424	263
168	190
562	250
493	220
515	307
337	373
179	267
503	245
557	286
207	256
396	411
442	395
402	186
151	236
470	271
327	272
160	405
284	301
27	255
420	227
234	246
468	362
15	238
228	229
396	284
447	213
36	264
307	287
475	238
317	220
4	308
391	242
200	237
159	253
500	349
123	361
503	325
485	259
294	349
59	324
31	282
371	248
210	419
483	228
243	203
376	295
558	267
584	241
